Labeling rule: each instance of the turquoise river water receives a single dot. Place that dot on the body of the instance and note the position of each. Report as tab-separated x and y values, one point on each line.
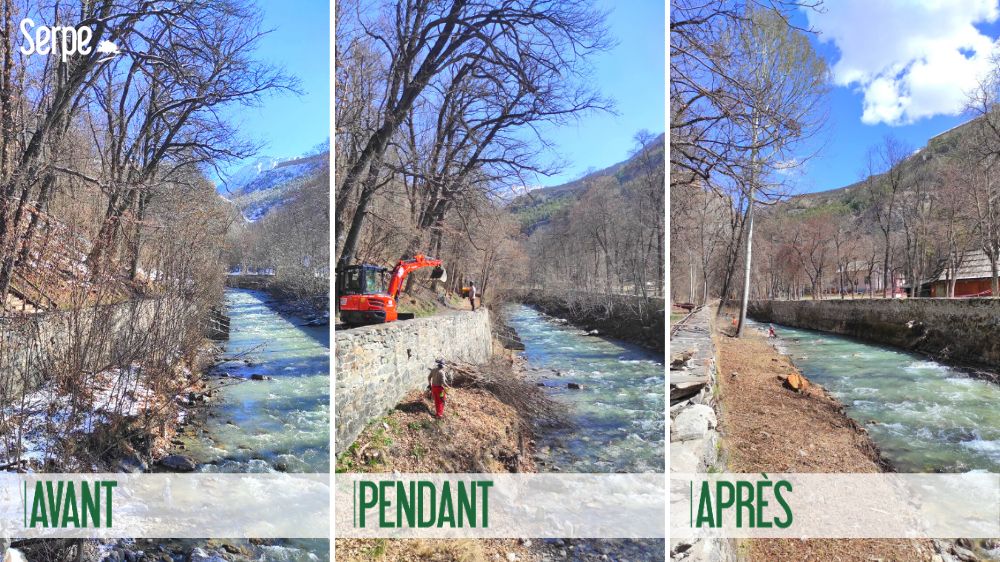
282	424
617	417
925	416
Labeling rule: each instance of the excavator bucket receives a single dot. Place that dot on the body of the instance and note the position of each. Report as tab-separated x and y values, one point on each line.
439	274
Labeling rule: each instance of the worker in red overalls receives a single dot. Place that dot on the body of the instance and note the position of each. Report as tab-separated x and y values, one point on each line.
437	380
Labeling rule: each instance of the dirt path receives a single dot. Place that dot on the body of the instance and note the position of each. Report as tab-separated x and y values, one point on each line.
767	427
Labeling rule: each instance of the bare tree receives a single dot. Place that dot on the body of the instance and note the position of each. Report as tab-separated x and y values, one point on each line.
521	43
780	82
884	182
983	188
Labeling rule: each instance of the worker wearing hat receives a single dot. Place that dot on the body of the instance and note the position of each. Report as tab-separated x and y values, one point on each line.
437	380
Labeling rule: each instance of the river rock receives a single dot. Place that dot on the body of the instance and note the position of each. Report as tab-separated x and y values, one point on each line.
180	463
963	554
574	386
680	360
693	423
259	377
132	464
796	382
199	555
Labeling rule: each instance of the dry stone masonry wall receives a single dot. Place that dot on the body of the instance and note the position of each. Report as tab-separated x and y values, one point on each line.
631	318
378	365
694	433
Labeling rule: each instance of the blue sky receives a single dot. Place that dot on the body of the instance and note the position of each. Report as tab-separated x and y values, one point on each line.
288	124
632	74
899	68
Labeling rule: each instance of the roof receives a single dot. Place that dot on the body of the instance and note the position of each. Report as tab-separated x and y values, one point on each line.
975	265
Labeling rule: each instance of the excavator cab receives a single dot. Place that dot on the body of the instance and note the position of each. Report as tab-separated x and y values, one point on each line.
365	279
362	297
366	294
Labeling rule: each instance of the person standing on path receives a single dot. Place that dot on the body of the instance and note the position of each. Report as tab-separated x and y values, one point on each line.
472	295
437	380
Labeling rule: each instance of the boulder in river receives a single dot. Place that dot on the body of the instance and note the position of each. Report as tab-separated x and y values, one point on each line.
574	385
259	377
180	463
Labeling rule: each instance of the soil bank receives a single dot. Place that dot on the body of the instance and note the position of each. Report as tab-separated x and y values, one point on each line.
767	427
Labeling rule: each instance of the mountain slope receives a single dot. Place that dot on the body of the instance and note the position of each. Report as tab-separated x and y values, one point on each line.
853	198
535	208
272	183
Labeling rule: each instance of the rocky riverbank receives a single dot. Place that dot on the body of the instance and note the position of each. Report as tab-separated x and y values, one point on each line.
695	443
139	436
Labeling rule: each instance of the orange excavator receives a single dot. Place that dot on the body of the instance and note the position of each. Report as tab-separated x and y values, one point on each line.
369	293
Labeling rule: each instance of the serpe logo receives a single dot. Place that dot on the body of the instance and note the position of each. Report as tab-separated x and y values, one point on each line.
62	41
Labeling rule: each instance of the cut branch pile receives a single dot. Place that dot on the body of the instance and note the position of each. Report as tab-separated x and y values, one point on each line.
503	379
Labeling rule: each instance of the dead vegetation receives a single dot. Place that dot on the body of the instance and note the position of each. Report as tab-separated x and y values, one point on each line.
486	427
110	228
421	550
489	413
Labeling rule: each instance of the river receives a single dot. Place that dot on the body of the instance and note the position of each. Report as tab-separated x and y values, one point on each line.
282	424
925	416
617	417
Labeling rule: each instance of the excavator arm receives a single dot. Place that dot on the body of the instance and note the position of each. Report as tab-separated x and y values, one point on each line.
405	267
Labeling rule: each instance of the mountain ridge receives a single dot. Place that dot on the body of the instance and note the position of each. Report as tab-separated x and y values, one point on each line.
273	184
536	208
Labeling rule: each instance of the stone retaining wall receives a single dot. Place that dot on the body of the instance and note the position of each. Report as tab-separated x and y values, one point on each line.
377	365
694	432
257	282
87	339
958	330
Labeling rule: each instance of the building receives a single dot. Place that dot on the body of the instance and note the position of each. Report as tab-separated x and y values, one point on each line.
856	279
973	278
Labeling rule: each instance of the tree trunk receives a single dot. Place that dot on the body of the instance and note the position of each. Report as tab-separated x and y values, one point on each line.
746	267
885	270
994	281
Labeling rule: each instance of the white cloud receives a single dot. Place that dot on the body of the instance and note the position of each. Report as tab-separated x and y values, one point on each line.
788	167
910	58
